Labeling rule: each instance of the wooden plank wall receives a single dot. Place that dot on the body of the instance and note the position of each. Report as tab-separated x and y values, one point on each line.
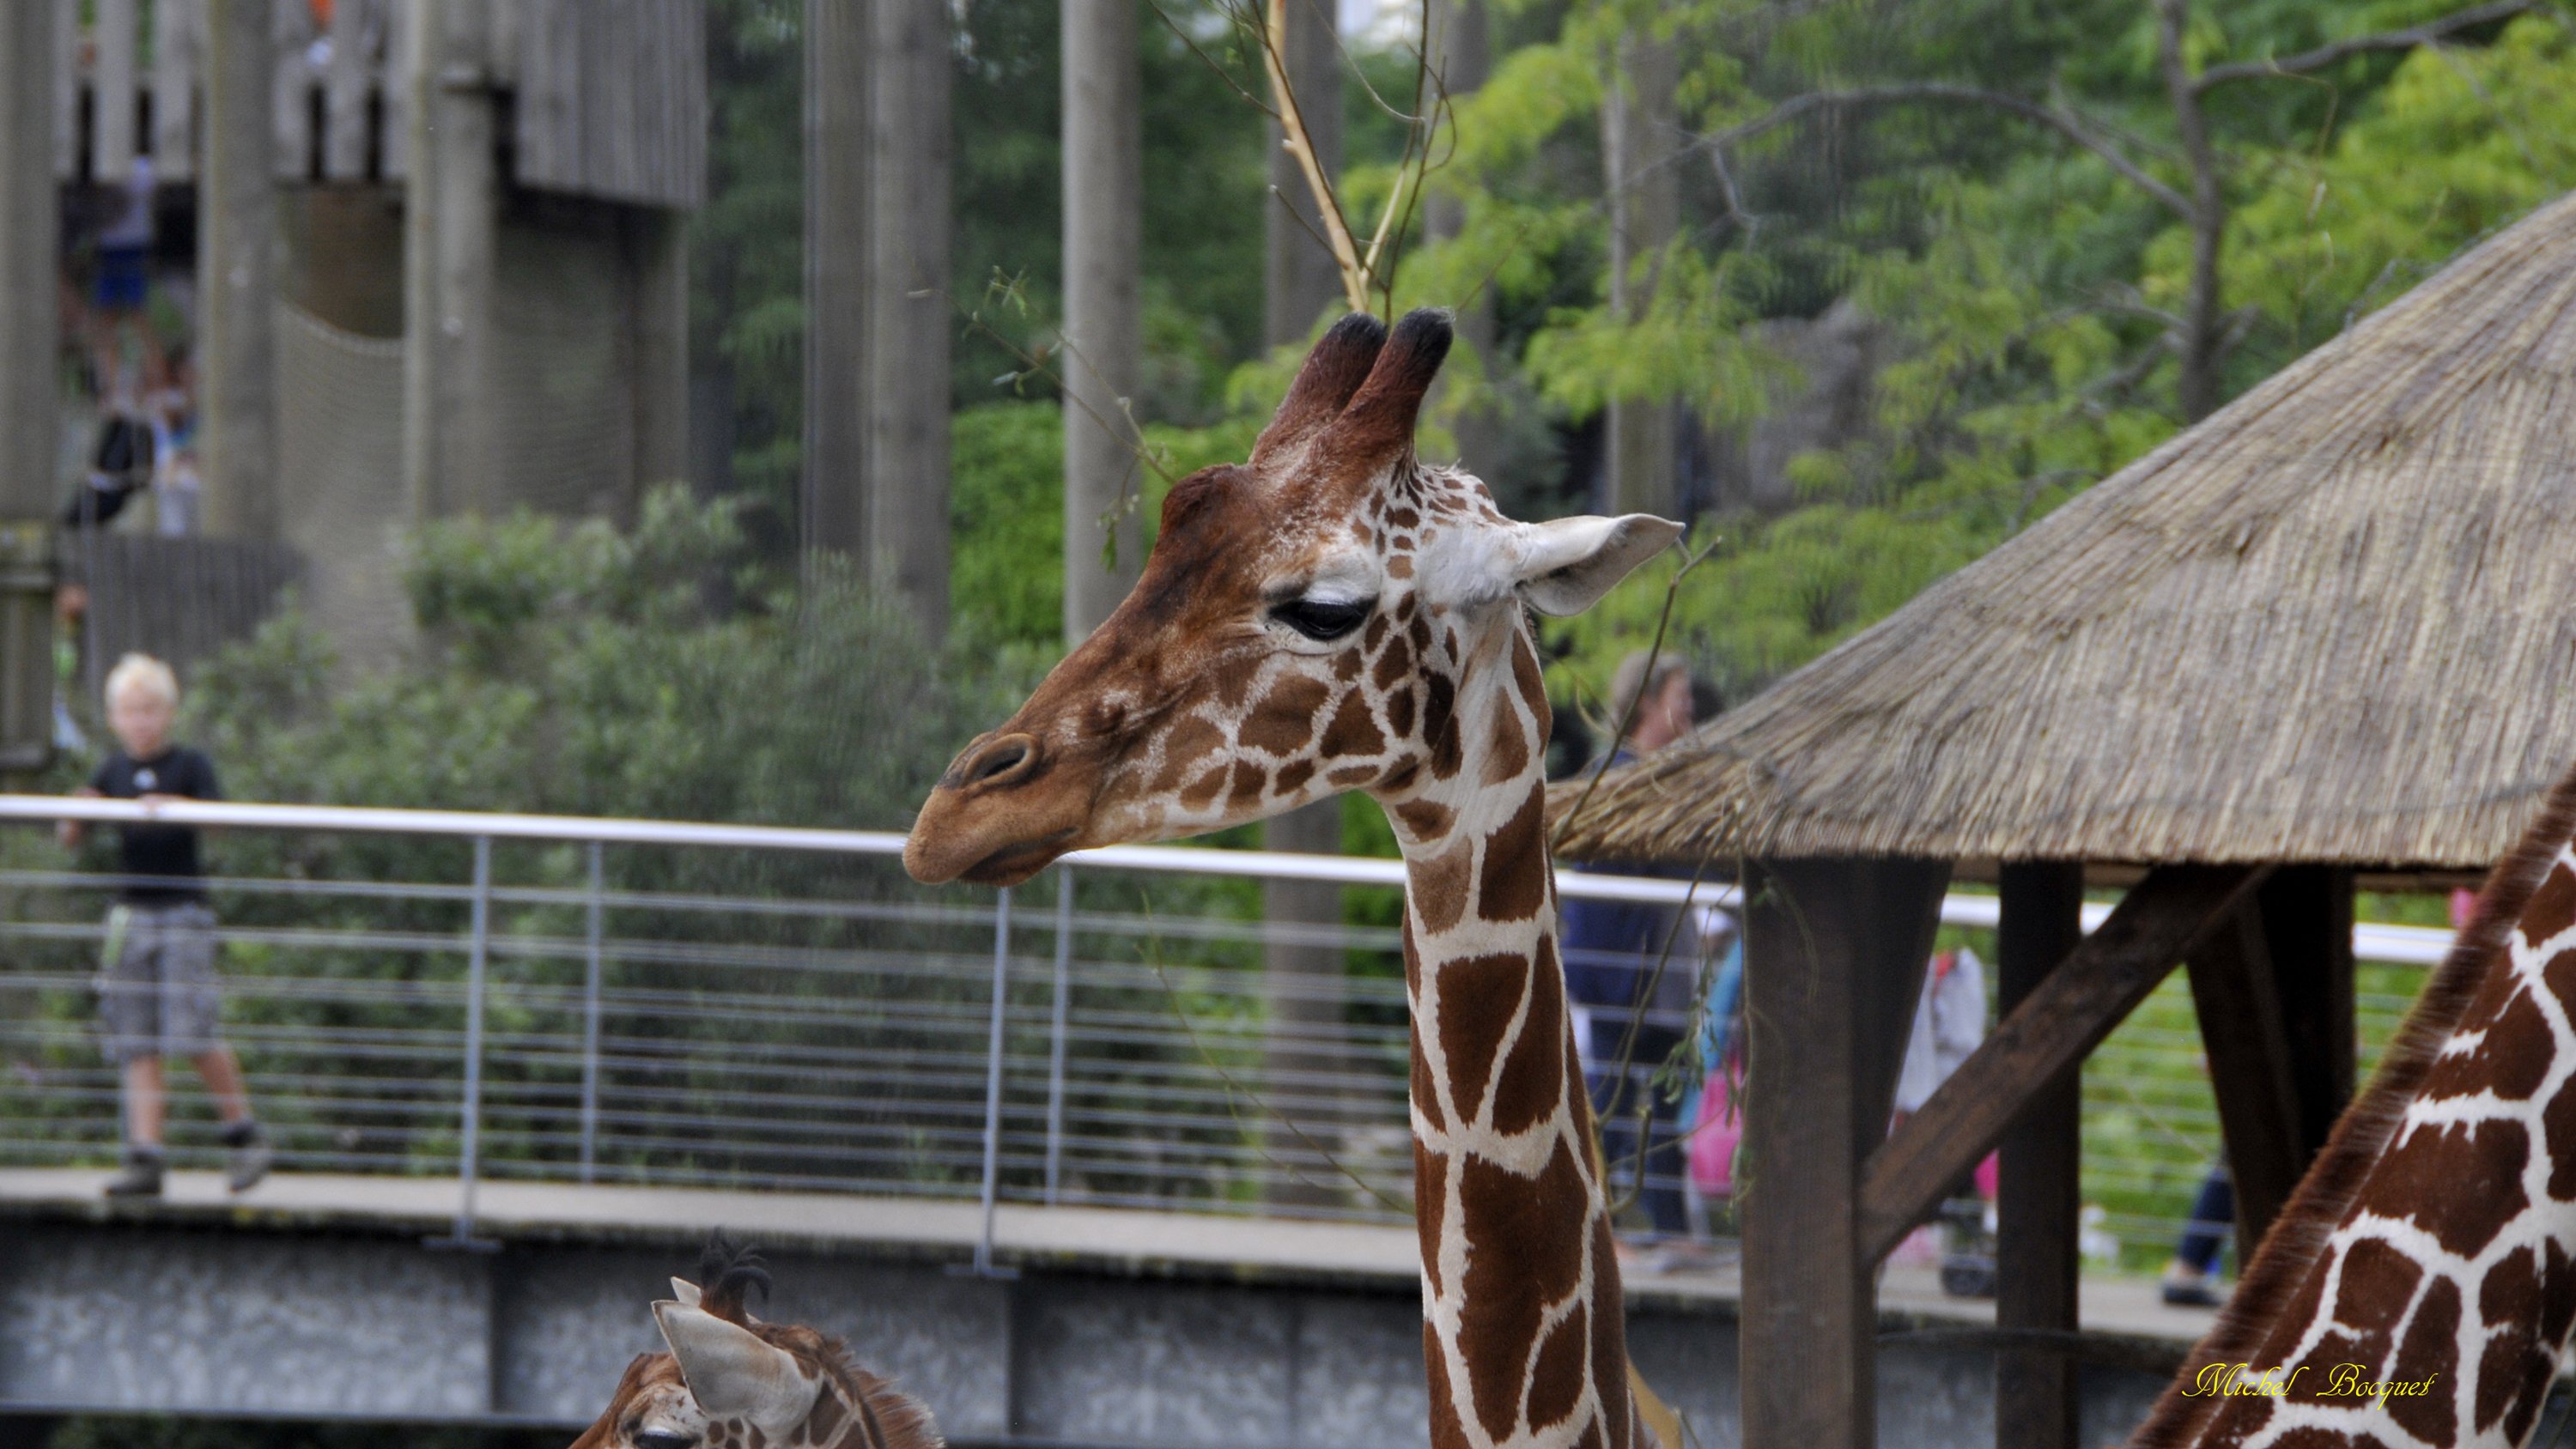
612	99
113	90
611	94
180	599
178	53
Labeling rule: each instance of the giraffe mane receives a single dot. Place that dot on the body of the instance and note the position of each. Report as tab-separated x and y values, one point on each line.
730	1274
2298	1237
896	1419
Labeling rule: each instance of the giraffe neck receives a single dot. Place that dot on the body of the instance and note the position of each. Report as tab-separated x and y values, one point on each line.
1523	1334
2450	1275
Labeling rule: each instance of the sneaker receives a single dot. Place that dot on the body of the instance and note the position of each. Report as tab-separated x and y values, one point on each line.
2189	1293
251	1159
140	1177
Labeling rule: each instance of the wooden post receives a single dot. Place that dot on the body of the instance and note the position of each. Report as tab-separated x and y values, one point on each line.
909	319
833	495
178	43
1834	956
116	34
237	243
1103	355
29	319
1639	136
2039	1198
2238	1001
2155	925
2307	925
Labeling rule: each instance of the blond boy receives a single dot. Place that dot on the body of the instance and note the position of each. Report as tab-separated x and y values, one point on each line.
158	995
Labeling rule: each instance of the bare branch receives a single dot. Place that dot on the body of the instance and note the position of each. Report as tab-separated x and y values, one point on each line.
1294	136
2066	123
2326	55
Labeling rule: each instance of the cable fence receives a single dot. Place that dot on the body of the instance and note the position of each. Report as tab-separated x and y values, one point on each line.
633	1002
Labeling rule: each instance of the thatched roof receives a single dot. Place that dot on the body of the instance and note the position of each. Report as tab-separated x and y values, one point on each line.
2335	622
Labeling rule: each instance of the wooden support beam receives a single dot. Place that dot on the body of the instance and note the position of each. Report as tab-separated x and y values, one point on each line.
237	273
178	44
116	35
2050	1032
1834	960
2240	1010
2307	924
2039	1199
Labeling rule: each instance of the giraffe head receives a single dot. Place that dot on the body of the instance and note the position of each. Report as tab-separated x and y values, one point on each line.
1304	626
730	1381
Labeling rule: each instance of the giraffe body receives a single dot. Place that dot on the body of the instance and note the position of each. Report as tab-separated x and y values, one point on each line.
1336	616
731	1381
2418	1291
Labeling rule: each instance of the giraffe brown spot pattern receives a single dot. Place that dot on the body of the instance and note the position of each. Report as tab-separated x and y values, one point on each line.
1479	996
1249	781
2462	1184
2553	906
1523	1262
1427	820
1513	884
2513	1057
1556	1378
2431	1349
2513	1361
1353	730
1507	751
1531	1084
1292	777
1399	712
1393	666
1285	719
1440	887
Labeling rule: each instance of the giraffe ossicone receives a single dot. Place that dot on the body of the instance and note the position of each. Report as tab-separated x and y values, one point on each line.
1335	615
730	1381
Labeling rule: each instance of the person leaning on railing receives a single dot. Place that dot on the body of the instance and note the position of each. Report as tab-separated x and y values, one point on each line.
158	996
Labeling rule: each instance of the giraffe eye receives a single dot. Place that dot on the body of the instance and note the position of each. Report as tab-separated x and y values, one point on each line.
1322	619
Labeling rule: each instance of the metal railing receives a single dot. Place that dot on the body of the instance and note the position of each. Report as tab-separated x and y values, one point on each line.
649	1002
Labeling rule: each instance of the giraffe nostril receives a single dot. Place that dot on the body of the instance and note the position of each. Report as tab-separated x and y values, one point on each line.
1005	757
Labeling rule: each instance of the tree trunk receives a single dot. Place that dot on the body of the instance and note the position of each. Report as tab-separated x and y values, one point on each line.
832	501
29	420
1461	58
1638	140
1301	280
1103	333
2198	346
908	322
237	271
1304	995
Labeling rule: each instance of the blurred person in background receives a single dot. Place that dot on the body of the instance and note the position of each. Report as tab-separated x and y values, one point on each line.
1632	971
158	995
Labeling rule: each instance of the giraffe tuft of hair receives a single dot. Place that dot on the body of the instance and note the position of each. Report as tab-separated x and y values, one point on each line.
729	1274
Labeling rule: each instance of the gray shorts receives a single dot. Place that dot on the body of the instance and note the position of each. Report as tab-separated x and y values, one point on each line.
157	995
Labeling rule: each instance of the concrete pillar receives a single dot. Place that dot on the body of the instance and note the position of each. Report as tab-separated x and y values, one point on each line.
1104	346
237	270
28	344
910	321
1303	284
660	250
451	198
1638	142
832	493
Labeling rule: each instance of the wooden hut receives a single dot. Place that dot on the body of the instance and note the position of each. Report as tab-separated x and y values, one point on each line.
2328	632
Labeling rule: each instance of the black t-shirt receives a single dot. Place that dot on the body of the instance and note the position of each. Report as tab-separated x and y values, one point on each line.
159	850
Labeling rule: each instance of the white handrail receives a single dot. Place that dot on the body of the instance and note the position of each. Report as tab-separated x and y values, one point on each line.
2403	945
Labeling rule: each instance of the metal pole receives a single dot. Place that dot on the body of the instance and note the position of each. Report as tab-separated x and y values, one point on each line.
590	1030
478	953
1055	1032
993	1077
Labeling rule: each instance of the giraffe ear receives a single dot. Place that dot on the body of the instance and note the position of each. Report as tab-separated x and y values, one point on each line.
1566	566
735	1373
685	1291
